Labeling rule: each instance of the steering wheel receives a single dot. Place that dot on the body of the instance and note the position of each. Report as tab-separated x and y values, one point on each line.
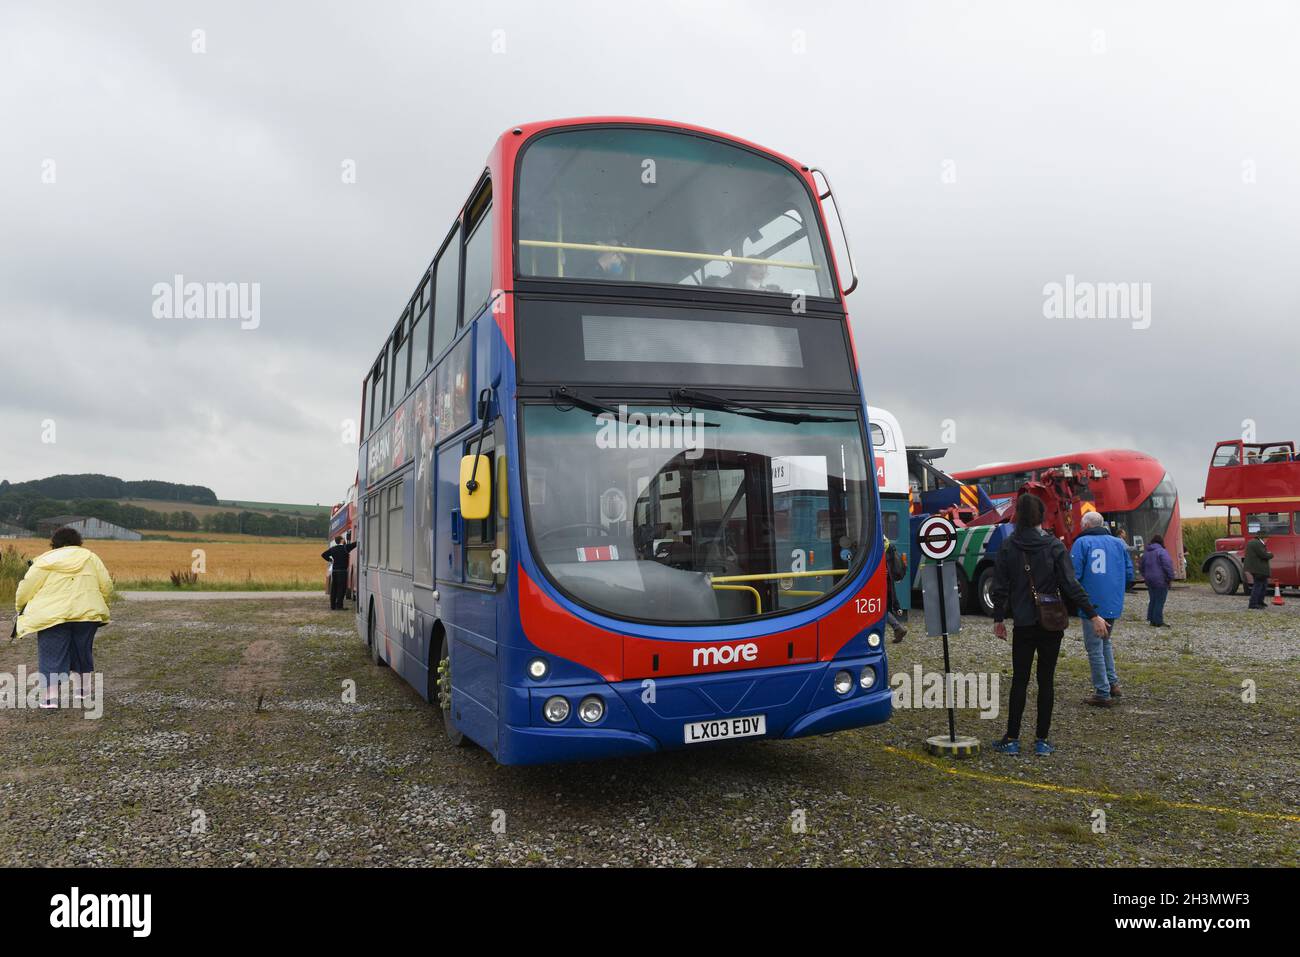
565	528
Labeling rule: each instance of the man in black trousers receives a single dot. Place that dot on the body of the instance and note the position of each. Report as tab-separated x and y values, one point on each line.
337	556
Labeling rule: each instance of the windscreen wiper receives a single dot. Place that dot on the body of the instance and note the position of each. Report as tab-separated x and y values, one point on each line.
565	398
706	400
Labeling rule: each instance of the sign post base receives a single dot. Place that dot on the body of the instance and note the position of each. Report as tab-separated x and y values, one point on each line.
943	746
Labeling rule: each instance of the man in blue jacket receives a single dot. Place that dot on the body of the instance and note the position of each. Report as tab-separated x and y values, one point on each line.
1104	569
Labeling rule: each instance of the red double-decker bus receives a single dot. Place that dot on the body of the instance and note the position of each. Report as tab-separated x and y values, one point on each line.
1132	490
1260	483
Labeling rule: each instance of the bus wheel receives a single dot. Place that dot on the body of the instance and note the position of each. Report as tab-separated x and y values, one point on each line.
372	639
984	592
442	689
1224	577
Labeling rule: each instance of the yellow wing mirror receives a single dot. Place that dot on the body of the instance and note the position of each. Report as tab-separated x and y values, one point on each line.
475	487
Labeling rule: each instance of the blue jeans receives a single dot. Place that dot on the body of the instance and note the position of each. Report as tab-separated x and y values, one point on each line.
1101	658
1156	604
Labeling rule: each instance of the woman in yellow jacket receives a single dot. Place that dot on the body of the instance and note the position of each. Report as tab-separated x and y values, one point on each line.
62	599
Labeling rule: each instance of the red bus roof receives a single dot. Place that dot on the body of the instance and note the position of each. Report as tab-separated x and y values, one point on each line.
522	132
1131	475
1127	459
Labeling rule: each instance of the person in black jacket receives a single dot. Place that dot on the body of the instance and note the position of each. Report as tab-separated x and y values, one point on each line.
337	556
1053	578
896	571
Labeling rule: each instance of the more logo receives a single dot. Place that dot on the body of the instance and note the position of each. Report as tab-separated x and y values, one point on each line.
723	654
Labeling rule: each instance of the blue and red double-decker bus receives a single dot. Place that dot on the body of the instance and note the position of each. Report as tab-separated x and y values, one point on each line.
614	491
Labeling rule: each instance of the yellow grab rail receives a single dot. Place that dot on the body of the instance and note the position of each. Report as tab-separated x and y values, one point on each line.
758	599
670	253
770	576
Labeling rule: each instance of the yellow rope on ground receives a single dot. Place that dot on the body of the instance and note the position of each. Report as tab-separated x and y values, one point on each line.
1088	792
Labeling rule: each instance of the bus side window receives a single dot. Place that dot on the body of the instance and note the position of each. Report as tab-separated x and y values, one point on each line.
1270	523
1225	455
400	361
394	536
367	413
446	275
420	331
373	534
377	404
478	265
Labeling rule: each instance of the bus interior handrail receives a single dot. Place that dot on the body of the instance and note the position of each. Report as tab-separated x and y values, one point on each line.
758	599
669	253
776	576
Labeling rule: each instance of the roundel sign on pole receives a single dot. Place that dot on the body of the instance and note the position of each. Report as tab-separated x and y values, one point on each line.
937	537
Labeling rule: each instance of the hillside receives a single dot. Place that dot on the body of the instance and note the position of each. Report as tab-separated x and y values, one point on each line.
154	505
92	485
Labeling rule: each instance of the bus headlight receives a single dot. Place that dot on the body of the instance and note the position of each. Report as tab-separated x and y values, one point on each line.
537	669
873	640
555	710
591	709
843	682
868	677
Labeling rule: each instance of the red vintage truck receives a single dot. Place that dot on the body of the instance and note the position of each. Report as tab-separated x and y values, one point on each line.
1258	482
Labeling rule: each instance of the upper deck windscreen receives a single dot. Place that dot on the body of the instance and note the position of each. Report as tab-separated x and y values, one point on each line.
654	206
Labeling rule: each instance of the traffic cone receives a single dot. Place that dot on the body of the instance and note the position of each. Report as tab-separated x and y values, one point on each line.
1277	594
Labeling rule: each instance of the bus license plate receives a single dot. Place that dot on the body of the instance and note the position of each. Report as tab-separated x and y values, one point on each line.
726	728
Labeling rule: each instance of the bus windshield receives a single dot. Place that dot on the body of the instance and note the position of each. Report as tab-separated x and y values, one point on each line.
1149	517
655	206
695	515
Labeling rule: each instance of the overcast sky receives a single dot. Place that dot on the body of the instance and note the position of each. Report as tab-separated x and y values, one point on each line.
980	152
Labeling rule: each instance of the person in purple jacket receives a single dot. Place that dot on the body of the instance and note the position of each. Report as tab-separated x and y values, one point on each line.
1157	572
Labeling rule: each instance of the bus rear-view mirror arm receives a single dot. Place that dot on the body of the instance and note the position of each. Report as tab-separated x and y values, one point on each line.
844	233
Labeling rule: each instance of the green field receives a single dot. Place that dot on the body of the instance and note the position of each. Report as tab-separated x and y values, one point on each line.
263	508
273	507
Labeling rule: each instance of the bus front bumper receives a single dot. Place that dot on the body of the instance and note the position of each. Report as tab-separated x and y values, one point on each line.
646	715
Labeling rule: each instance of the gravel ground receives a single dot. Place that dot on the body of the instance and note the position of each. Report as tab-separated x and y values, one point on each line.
226	740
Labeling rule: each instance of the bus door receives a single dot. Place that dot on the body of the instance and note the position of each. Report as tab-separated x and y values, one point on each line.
470	568
399	596
895	519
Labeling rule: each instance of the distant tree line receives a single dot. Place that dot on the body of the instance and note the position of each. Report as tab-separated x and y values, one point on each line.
91	486
25	507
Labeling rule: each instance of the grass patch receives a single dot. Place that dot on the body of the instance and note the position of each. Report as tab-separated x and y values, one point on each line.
13	566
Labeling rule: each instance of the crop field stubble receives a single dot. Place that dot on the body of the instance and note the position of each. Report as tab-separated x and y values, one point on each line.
235	710
246	563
